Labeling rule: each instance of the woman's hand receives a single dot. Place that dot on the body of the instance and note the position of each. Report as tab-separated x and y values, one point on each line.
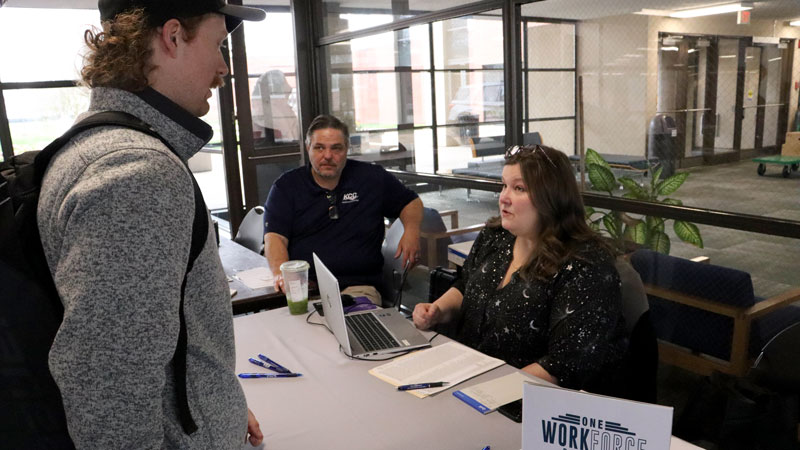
426	315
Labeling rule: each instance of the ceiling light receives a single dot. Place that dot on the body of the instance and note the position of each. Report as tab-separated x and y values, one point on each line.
709	10
654	12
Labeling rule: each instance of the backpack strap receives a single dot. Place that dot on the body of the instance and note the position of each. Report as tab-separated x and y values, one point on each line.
199	235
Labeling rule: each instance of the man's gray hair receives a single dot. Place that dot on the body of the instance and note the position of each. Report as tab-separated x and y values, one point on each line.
325	121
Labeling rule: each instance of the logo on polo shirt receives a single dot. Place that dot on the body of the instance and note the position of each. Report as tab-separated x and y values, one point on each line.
350	197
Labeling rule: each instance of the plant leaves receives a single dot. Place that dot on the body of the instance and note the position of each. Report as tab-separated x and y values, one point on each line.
656	177
672	183
659	242
592	157
633	187
688	232
601	177
672	201
613	225
637	233
655	224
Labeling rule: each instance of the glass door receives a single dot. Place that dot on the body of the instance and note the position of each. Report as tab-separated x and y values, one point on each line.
752	75
727	75
769	93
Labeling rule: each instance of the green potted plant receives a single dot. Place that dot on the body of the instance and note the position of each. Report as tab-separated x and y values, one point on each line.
646	231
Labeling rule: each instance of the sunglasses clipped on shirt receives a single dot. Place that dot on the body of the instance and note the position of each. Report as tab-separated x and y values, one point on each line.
333	211
528	150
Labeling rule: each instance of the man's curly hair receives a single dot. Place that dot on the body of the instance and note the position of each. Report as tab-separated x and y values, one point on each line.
119	56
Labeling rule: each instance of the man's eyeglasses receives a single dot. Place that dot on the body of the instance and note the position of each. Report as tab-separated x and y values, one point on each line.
528	150
333	211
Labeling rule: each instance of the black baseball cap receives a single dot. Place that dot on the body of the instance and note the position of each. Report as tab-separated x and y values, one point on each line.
160	11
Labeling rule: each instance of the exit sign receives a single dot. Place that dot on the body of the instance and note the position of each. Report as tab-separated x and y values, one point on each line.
743	18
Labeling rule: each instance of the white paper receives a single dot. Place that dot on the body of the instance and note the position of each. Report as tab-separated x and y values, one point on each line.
451	362
257	278
497	392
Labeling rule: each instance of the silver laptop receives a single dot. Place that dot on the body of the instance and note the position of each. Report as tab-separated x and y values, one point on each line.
364	333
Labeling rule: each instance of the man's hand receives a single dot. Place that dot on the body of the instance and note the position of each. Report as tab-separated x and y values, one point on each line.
254	434
408	248
278	283
276	250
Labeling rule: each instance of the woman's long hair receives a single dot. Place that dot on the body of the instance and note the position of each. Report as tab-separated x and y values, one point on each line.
550	181
119	56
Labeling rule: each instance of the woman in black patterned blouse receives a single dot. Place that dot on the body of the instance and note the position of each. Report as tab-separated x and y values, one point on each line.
539	289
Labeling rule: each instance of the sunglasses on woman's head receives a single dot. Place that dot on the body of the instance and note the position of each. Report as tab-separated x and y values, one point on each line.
528	150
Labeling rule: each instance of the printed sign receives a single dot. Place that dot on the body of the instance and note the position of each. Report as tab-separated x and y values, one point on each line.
561	419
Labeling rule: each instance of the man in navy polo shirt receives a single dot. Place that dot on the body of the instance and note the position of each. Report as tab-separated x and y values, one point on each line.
335	208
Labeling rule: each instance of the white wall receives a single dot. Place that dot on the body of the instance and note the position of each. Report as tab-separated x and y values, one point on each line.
612	60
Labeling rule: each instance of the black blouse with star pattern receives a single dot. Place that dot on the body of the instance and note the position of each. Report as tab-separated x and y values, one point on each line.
571	324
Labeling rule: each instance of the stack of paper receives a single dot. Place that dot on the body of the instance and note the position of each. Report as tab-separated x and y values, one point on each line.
490	395
451	362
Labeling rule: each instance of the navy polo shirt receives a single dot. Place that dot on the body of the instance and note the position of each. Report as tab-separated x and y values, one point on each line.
350	246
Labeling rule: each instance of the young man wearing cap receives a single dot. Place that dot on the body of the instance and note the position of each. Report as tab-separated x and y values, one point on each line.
115	214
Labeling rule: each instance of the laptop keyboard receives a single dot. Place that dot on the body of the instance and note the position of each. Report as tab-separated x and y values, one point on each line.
370	332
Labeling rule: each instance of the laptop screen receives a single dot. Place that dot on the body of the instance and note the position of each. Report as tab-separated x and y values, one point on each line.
332	303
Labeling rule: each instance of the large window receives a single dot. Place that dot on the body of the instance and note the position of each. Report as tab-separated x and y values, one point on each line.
549	68
342	16
414	97
38	115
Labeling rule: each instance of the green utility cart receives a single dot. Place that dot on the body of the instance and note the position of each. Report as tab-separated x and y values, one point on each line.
789	163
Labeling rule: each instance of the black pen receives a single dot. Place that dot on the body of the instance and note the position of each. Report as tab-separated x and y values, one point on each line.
409	387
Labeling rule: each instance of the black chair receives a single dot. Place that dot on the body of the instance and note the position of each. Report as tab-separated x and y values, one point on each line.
638	376
251	230
776	366
434	239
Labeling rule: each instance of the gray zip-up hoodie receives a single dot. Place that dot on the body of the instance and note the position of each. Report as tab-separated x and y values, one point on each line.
115	216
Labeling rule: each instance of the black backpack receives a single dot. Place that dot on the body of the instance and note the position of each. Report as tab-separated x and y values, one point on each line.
31	409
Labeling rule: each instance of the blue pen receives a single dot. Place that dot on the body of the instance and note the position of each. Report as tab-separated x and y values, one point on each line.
486	448
270	375
278	367
265	365
409	387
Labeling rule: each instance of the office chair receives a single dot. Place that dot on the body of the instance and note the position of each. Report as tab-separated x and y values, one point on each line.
394	272
638	378
776	366
251	230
